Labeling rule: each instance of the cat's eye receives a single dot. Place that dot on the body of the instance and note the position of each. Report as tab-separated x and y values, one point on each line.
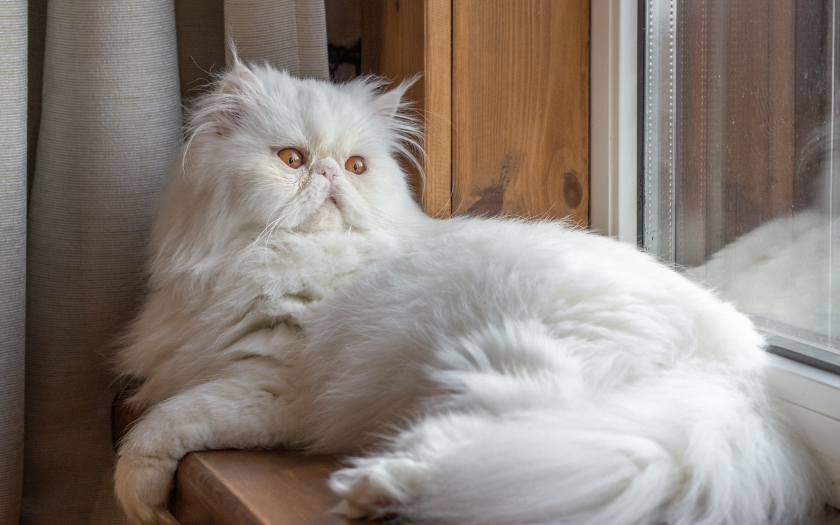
356	165
291	157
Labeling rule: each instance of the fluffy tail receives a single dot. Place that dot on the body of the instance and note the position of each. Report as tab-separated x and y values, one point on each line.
681	448
534	471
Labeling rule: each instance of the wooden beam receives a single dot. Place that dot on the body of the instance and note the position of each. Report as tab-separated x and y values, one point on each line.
437	199
403	38
255	487
520	95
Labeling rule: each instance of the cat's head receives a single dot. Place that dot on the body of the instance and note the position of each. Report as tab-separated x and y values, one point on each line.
269	150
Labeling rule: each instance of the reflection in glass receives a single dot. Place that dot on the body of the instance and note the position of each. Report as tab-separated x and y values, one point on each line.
740	158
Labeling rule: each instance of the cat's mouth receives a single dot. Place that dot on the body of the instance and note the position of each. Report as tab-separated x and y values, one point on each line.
331	197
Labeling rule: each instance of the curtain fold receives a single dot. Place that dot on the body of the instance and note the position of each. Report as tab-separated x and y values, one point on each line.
288	34
200	25
13	36
110	122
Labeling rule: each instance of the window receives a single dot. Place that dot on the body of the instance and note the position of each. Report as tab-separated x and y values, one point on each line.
715	146
738	160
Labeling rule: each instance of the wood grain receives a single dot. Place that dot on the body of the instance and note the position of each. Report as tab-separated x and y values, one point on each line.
230	487
247	487
234	487
520	108
437	115
404	38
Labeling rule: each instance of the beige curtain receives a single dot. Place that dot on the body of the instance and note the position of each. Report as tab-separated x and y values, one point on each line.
285	34
12	251
114	75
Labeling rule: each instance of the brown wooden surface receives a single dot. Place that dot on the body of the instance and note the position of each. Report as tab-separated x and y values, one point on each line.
236	487
401	38
437	116
233	487
520	108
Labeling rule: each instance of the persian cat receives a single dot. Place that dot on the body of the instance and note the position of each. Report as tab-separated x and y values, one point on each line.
481	371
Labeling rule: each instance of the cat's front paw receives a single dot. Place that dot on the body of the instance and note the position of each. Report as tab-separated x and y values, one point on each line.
142	485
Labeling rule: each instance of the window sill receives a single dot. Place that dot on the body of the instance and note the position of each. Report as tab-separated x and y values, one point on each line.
246	487
268	487
813	399
265	487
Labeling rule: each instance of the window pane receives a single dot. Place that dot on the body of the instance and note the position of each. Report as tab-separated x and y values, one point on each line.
740	158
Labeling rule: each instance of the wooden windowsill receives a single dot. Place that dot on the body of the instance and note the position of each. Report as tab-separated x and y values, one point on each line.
246	487
260	487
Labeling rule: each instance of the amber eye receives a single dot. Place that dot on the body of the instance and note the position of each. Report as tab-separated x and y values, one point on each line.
292	157
356	165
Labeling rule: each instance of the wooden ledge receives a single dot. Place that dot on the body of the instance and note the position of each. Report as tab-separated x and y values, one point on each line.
264	487
245	487
259	487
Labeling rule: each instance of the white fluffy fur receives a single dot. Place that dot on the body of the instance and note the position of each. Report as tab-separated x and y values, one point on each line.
485	371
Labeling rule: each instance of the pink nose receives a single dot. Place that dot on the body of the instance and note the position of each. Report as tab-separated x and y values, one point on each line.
328	170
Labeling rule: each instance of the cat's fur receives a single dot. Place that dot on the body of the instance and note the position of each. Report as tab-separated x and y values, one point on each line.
486	371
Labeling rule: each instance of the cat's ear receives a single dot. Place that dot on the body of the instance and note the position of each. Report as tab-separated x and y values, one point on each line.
240	81
389	103
237	89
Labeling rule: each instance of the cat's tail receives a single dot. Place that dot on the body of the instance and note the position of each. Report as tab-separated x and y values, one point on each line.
467	470
678	449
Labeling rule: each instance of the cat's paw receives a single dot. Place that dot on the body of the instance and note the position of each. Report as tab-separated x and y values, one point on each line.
366	492
142	485
377	487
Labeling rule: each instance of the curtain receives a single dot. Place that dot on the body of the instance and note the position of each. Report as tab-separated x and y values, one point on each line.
12	251
106	84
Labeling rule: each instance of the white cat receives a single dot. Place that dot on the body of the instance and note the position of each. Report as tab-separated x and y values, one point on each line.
488	371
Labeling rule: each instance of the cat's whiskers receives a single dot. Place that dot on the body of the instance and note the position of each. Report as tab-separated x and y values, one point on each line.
268	226
268	232
276	224
393	222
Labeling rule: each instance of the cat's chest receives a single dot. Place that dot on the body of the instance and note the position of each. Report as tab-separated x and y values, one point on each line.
290	275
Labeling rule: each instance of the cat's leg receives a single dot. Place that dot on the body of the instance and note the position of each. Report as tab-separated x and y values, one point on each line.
247	406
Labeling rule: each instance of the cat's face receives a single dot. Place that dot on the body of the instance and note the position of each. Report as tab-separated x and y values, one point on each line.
300	155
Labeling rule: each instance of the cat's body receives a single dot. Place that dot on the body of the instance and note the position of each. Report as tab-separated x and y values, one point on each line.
490	371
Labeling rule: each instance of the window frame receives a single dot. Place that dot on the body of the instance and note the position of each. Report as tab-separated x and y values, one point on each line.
812	395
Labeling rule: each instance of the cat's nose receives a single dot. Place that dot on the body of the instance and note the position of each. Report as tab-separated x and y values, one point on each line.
328	168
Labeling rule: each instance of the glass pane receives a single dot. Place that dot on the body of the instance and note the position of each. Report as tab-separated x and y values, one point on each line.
740	158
